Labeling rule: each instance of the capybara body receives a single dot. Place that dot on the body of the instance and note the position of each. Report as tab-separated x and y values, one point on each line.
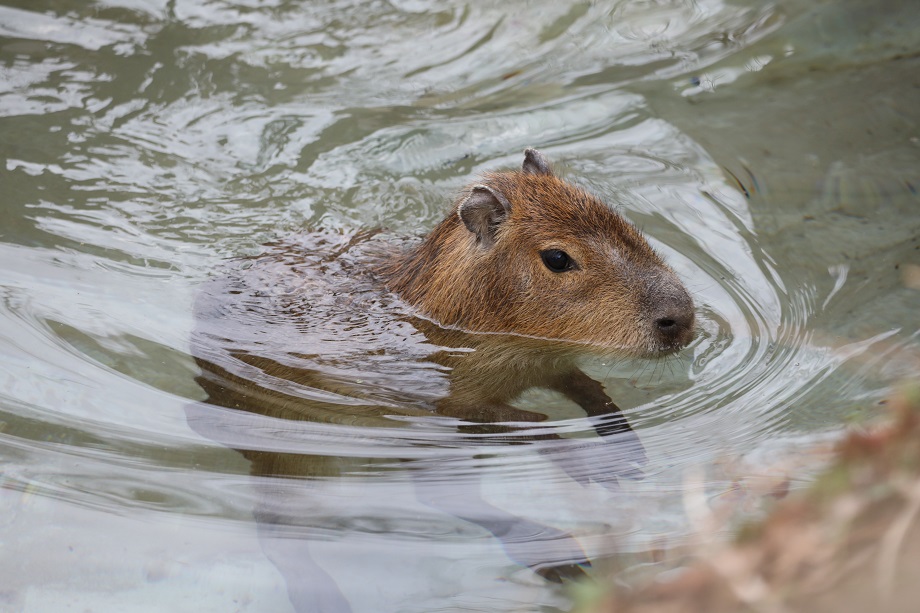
503	295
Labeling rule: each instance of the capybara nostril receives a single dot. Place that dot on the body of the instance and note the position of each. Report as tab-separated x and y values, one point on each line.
674	322
666	325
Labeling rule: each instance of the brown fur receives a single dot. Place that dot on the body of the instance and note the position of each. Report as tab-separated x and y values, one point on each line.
280	336
619	291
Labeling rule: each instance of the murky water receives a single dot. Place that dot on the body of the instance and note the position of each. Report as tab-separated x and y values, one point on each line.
771	151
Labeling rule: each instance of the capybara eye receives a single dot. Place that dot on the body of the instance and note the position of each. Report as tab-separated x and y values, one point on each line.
557	260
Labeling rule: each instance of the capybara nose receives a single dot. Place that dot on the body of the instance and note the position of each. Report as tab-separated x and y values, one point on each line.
675	325
673	320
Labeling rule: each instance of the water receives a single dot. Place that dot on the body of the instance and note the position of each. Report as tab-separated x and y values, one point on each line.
769	150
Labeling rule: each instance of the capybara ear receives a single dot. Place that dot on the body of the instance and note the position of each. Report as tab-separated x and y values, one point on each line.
535	163
483	212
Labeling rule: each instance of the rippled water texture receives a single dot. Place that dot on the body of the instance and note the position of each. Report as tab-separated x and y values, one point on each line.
770	151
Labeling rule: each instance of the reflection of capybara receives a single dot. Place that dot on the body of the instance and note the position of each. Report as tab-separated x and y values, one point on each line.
524	274
527	253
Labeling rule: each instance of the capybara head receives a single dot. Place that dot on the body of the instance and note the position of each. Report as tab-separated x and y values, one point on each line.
526	253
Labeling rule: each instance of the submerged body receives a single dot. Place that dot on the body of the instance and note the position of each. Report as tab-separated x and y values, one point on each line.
524	273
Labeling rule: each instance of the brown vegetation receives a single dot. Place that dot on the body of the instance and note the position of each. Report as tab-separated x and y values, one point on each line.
850	543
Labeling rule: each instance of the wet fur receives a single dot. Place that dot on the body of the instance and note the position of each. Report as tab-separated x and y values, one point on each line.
262	341
619	289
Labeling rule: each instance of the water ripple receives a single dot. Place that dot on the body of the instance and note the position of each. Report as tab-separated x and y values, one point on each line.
145	143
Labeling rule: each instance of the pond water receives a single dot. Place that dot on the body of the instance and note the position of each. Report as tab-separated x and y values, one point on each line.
769	150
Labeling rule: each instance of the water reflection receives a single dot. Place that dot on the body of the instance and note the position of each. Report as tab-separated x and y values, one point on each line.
144	143
304	333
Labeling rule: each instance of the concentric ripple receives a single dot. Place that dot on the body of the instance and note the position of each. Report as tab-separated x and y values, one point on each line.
149	148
